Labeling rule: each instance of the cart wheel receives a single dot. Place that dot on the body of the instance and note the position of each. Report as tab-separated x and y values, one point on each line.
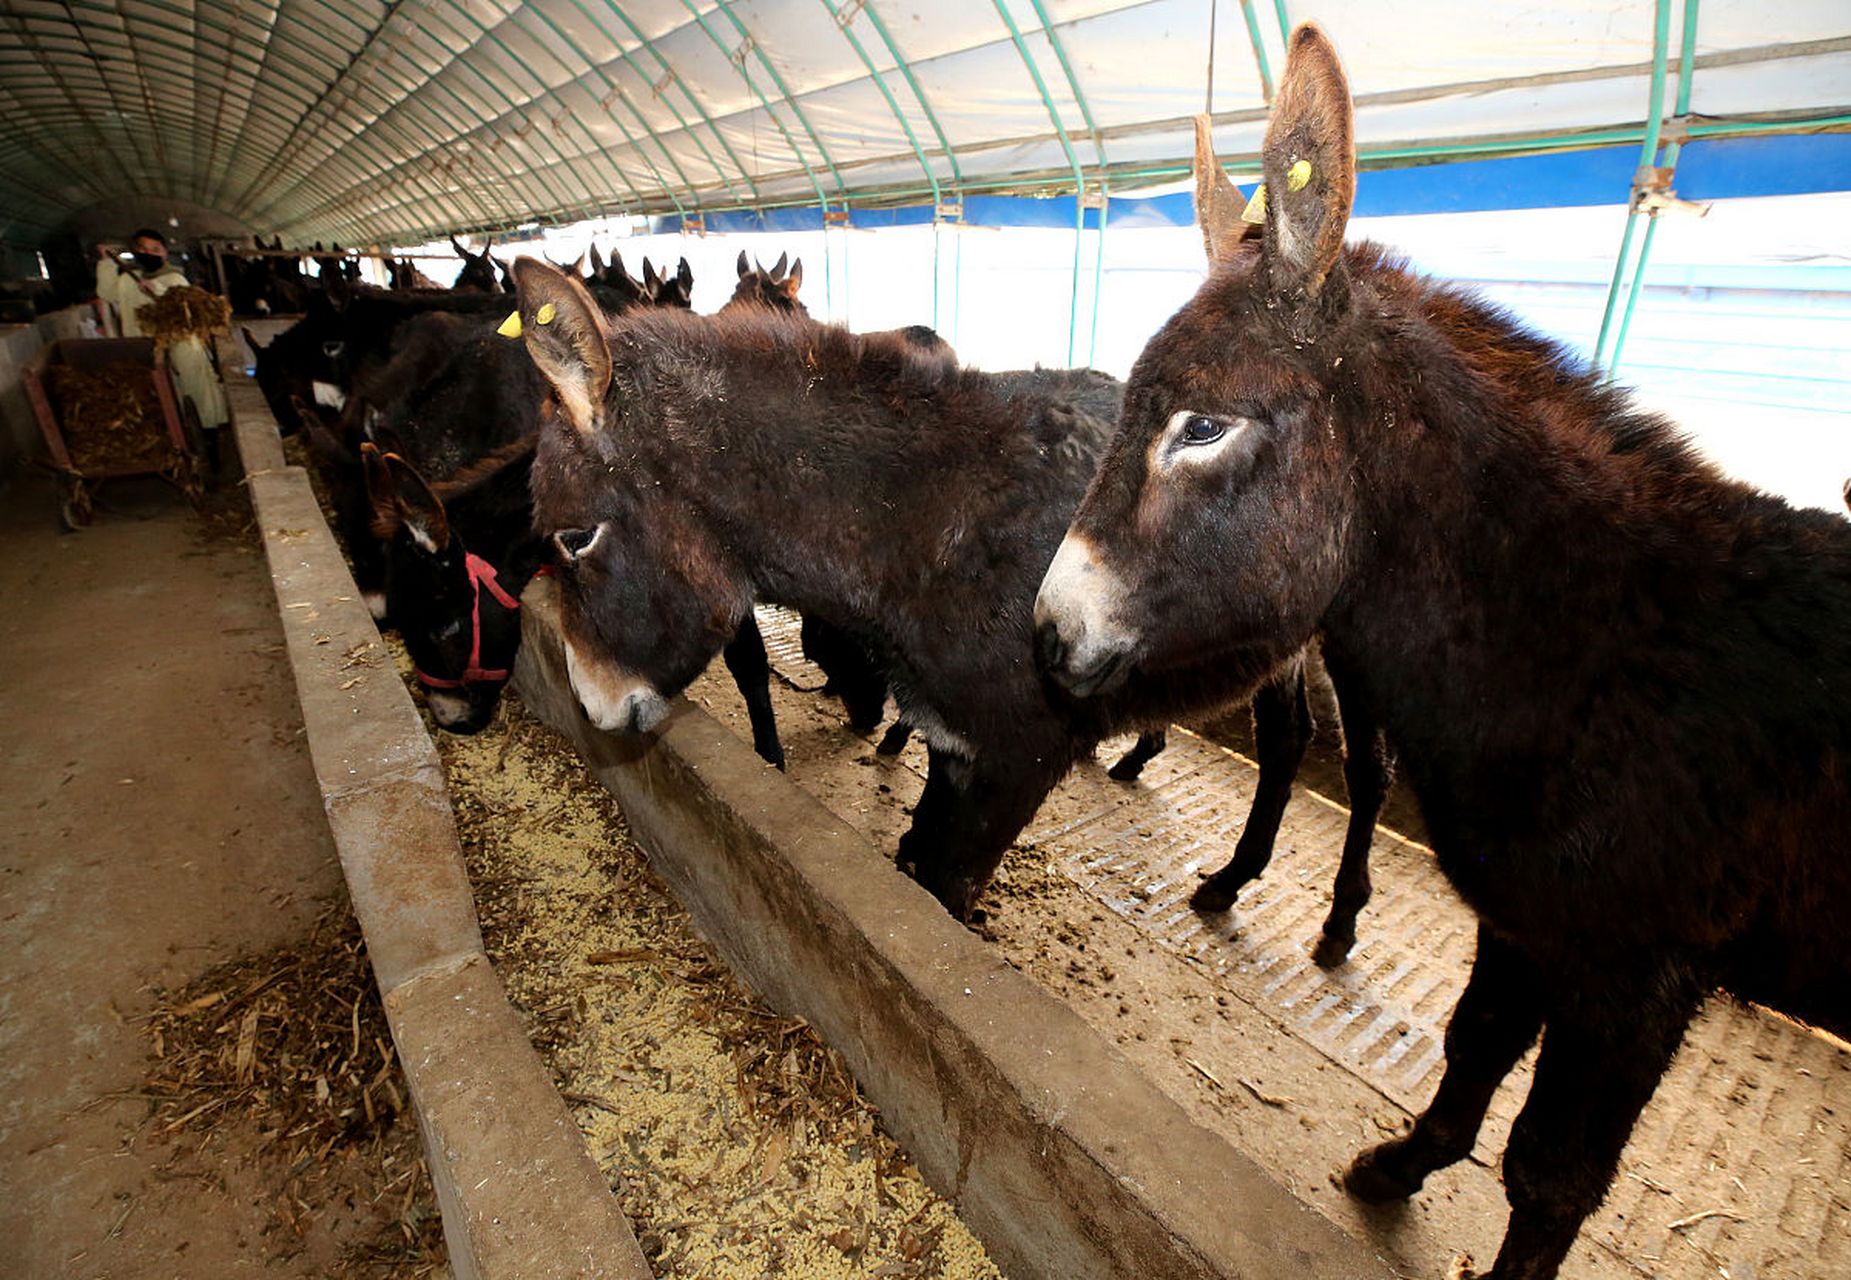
75	508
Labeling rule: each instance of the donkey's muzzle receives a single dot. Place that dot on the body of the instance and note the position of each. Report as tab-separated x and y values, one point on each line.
1083	672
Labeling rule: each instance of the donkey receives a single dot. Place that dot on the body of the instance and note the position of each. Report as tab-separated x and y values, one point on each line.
1618	681
679	448
456	558
624	287
447	559
664	290
478	274
776	288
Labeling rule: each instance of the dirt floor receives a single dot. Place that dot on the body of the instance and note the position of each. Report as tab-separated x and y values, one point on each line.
1740	1168
166	875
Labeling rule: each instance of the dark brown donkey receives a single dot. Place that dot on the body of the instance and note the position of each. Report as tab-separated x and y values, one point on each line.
1619	683
696	464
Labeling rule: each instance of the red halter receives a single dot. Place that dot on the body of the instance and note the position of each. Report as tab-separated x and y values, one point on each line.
481	574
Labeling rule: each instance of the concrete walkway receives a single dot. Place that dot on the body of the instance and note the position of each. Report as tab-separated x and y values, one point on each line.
157	815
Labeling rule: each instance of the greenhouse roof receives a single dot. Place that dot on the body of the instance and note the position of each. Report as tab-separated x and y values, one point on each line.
375	122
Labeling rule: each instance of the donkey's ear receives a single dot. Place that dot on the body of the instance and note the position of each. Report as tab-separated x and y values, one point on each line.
567	338
1309	159
597	261
792	282
684	274
419	510
777	270
1218	204
381	491
744	268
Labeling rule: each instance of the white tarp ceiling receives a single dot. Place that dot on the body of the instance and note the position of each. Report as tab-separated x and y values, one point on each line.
372	122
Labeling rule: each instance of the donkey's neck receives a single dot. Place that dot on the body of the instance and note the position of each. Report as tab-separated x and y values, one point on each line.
873	492
1519	557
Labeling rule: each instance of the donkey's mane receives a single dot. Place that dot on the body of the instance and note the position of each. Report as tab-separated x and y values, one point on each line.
762	340
1515	381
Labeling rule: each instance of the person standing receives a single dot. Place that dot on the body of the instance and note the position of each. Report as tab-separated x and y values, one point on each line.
131	286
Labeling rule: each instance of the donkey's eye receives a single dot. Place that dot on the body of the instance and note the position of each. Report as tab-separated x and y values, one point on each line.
573	543
1199	428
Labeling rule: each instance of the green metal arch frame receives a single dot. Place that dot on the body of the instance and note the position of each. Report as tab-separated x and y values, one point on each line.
1254	38
564	160
790	99
1073	81
214	198
336	194
906	70
32	141
1648	155
846	27
561	201
765	102
17	22
617	90
630	62
1079	180
312	89
187	53
712	127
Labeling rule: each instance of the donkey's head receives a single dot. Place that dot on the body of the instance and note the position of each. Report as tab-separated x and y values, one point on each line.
1216	527
460	626
664	290
617	278
647	595
478	273
775	288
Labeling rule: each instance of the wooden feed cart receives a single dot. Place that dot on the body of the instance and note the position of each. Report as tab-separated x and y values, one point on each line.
108	409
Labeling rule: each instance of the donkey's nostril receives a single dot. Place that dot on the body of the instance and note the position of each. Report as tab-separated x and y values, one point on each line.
1050	649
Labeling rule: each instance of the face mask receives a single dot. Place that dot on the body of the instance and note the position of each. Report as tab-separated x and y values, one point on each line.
150	261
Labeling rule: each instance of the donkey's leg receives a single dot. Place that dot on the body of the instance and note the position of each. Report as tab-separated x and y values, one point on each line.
1495	1022
1143	751
1368	769
893	742
1601	1060
1281	732
924	846
852	674
751	667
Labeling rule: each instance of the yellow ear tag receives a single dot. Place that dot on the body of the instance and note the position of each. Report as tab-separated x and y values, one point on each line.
1255	212
1298	175
545	314
511	327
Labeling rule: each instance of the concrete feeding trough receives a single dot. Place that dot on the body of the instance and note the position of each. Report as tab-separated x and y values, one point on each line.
520	1194
1063	1158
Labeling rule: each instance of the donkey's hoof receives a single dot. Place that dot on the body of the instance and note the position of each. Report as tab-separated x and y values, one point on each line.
1371	1179
1126	770
894	740
1331	951
1212	897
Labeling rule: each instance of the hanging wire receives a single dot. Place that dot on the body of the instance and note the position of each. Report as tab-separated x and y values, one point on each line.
1208	99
